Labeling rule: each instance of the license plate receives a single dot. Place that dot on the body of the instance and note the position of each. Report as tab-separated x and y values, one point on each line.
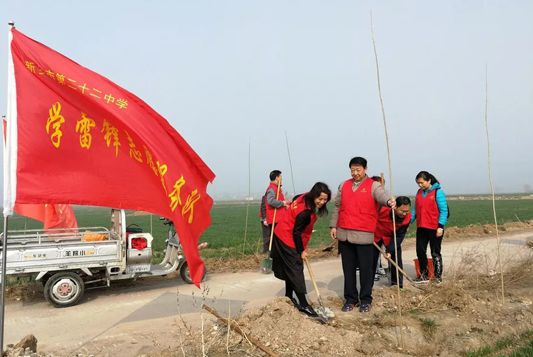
140	268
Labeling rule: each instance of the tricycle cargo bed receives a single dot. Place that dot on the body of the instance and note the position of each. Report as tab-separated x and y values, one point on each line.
67	260
35	251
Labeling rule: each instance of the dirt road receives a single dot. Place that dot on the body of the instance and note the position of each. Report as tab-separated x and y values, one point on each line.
130	319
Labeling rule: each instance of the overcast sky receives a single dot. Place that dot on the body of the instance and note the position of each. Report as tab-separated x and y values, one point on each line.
229	73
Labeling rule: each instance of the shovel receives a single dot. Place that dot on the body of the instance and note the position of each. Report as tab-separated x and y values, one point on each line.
324	313
397	266
266	264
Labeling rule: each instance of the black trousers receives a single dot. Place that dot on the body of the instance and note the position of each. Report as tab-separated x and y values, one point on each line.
397	259
423	237
376	257
266	236
354	255
394	279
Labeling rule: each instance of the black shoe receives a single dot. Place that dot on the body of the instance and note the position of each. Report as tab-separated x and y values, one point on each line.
295	303
394	285
421	279
365	308
347	307
308	310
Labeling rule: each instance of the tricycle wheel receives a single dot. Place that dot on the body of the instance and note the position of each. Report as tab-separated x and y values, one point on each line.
186	274
64	289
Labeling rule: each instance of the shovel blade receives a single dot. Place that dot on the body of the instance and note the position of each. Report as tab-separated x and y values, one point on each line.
266	266
325	313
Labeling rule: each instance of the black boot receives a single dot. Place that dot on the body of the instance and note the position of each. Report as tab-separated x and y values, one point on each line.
308	310
437	264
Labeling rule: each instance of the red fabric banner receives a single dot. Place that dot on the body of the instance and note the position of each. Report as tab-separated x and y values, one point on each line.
52	215
59	216
83	139
33	211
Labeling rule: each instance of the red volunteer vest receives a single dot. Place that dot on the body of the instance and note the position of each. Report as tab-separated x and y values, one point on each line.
358	210
284	229
269	208
427	212
385	228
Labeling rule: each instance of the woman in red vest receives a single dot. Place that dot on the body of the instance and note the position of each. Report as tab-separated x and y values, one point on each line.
431	213
291	237
385	233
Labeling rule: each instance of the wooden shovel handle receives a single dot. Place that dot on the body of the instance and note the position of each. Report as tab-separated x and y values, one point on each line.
274	219
313	279
392	262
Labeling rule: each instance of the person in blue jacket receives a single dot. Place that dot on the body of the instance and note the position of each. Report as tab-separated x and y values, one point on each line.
431	214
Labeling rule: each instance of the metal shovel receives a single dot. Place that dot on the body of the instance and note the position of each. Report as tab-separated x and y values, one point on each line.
324	313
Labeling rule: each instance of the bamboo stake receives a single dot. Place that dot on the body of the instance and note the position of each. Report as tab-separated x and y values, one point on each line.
229	330
290	165
247	198
491	181
390	173
236	328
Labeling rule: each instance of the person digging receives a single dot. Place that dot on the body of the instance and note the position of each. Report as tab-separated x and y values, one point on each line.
291	237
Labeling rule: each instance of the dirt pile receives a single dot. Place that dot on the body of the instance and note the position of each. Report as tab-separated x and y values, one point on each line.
477	230
460	315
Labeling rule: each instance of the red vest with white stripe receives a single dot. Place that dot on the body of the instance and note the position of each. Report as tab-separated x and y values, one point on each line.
284	229
427	211
269	208
384	228
358	210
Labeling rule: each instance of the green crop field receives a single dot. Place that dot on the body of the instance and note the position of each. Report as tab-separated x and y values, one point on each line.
227	231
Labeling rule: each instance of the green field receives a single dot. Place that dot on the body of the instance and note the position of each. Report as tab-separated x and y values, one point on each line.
226	233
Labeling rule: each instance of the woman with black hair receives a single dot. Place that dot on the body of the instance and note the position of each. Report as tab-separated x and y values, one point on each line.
291	237
431	214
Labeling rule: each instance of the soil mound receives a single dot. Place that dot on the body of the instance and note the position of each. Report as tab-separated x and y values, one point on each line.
458	316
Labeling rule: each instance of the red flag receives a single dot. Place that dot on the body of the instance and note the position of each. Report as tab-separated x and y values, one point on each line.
52	215
59	216
33	211
76	137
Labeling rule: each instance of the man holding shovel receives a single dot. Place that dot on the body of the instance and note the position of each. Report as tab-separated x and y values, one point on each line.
272	200
353	224
385	233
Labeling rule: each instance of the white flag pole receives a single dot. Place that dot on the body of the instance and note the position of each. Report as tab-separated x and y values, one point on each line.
9	179
3	279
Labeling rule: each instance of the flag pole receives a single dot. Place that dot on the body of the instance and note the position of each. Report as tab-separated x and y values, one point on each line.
3	278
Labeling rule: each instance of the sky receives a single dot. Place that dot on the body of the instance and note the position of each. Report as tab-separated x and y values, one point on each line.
239	79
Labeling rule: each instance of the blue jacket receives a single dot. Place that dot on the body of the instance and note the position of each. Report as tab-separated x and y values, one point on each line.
440	197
